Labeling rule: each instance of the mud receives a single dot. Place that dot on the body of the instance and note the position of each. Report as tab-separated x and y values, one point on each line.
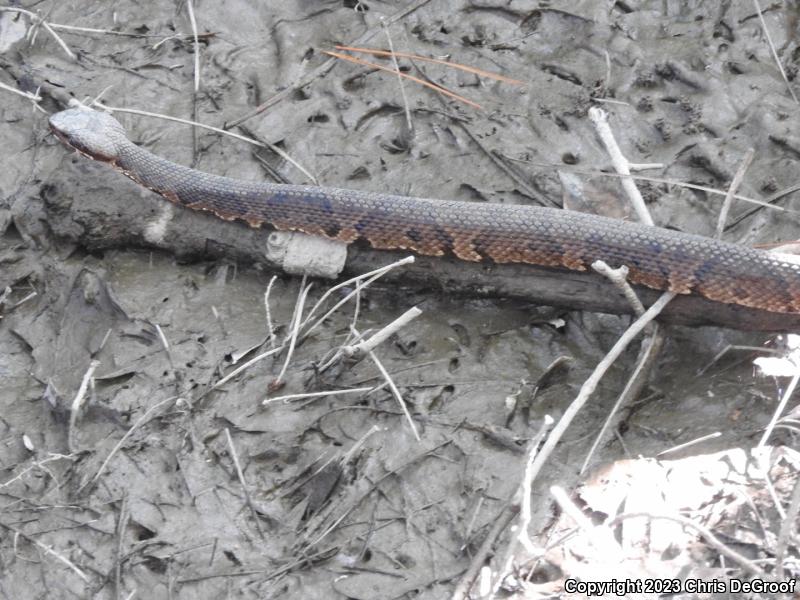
159	484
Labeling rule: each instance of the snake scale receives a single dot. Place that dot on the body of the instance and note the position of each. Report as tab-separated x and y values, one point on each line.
657	258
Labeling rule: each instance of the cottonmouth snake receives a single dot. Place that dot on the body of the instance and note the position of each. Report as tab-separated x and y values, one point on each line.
658	258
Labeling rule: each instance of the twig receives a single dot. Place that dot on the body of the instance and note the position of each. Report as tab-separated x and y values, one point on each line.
270	328
737	181
242	482
590	384
242	138
77	403
33	97
196	46
674	182
357	351
245	366
293	334
290	397
701	439
193	21
399	79
47	550
600	119
779	409
647	357
367	278
395	392
167	351
772	49
619	277
139	422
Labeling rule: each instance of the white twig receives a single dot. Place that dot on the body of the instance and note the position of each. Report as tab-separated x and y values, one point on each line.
270	328
590	384
737	181
395	392
526	488
139	422
246	365
772	48
367	279
13	90
291	397
193	21
781	406
690	443
77	402
600	119
619	277
364	347
242	482
298	317
399	77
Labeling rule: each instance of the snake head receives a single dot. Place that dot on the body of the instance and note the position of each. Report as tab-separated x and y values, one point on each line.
94	134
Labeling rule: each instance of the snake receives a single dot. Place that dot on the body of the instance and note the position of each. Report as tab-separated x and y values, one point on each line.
658	258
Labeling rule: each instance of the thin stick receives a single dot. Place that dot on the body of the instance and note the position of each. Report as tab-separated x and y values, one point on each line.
242	138
447	63
357	351
690	443
370	276
648	355
139	422
672	182
47	550
772	49
77	403
298	316
619	277
737	181
781	406
395	392
600	119
193	21
245	366
240	475
33	97
590	384
270	328
196	46
399	79
291	397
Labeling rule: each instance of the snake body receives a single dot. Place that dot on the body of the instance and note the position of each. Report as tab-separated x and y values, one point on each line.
657	258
